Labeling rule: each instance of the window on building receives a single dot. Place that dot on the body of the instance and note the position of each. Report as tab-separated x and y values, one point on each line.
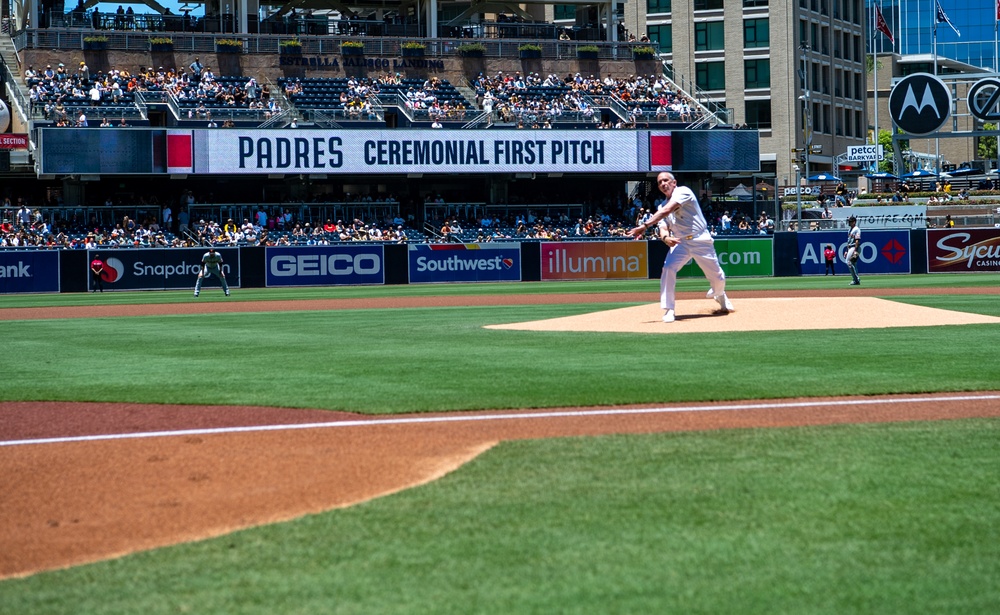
710	75
709	36
564	11
663	36
708	5
859	86
657	6
757	73
749	4
758	114
756	33
859	124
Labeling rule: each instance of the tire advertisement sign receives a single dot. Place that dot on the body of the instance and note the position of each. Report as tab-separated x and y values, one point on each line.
963	251
881	252
465	262
738	258
325	265
173	268
36	271
594	260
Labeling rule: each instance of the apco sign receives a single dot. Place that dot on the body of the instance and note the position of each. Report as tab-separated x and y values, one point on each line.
963	251
920	104
881	251
595	260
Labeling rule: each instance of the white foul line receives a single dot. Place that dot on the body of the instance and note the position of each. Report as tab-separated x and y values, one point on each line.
496	417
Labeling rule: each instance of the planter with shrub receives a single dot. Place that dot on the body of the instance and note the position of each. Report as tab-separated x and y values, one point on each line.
291	47
528	51
471	50
161	44
95	43
413	49
228	45
587	52
352	48
643	53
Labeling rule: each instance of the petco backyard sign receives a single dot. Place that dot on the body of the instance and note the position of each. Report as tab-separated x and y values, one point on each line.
415	151
865	153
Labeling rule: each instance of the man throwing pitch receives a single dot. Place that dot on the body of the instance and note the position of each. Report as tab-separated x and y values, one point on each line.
689	238
211	264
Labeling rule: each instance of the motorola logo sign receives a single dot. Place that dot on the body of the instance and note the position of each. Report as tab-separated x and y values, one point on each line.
920	104
984	99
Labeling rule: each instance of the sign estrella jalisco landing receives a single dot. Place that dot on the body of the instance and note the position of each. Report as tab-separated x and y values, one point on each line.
920	104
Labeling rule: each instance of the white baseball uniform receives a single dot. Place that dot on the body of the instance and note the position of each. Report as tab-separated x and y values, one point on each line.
689	226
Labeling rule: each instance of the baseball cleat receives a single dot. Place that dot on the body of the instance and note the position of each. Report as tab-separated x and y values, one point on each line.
725	303
196	294
668	316
710	294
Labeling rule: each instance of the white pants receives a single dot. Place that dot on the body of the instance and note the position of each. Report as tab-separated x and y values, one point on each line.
702	250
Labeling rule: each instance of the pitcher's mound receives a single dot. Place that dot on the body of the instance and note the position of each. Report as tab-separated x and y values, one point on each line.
701	316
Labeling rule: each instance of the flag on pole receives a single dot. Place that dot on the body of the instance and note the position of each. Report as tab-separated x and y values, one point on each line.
942	17
998	10
883	27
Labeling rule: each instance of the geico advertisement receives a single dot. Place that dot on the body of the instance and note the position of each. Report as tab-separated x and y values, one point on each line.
962	251
738	258
594	260
465	262
29	272
325	265
160	269
881	251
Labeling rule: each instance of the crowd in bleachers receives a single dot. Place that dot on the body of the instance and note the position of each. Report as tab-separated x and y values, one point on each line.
531	99
66	96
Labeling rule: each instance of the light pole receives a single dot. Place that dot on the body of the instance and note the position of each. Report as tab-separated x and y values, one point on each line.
807	132
798	196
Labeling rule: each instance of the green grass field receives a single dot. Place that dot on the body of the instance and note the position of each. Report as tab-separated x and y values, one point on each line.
901	518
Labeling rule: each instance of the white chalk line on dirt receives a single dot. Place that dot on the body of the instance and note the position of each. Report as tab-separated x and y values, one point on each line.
501	417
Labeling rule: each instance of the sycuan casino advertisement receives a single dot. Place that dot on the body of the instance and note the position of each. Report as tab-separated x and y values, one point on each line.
594	260
963	250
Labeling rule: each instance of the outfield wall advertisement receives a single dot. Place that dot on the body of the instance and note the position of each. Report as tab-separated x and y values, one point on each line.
36	271
162	269
465	262
738	258
963	251
340	265
881	251
594	260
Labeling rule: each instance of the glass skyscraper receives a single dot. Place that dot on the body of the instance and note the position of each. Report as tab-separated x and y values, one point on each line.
912	24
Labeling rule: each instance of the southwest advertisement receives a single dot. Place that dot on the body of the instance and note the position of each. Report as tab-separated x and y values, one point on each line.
963	251
594	260
738	258
36	271
465	262
881	251
174	268
324	265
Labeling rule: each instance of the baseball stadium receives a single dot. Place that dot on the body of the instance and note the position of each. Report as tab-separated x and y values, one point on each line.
432	373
